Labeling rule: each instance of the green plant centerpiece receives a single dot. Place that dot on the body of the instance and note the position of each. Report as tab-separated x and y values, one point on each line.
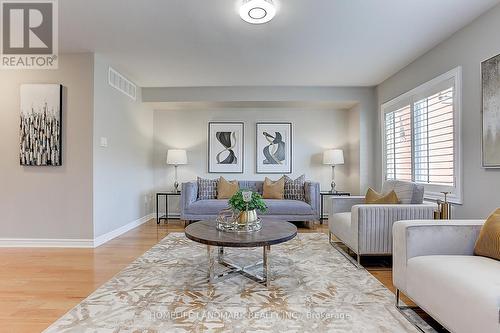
246	204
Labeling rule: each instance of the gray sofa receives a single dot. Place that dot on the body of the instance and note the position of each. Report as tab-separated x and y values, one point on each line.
193	209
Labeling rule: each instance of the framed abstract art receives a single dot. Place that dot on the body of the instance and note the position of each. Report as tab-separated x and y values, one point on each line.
40	127
274	148
490	84
225	147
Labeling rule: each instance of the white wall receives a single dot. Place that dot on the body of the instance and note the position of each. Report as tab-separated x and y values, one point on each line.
49	202
467	48
123	171
313	132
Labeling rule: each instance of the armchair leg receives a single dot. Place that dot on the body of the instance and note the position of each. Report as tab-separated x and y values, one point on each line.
341	251
358	259
413	318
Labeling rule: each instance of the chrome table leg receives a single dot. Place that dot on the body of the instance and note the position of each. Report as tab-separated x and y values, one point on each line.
211	264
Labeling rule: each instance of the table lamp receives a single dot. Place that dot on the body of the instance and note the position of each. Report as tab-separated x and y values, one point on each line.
333	157
176	157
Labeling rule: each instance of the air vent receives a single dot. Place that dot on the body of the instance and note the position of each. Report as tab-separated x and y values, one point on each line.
122	84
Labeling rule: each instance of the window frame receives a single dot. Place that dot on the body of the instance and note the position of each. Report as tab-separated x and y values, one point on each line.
432	191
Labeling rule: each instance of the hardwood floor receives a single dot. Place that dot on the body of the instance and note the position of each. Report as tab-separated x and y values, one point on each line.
39	285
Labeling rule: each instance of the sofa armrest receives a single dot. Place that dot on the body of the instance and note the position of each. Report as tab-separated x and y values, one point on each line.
431	237
344	204
189	194
312	196
372	224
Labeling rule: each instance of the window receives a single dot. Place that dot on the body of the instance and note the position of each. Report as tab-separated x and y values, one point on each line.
421	139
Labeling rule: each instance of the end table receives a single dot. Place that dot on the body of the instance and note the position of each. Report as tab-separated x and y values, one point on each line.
329	194
165	216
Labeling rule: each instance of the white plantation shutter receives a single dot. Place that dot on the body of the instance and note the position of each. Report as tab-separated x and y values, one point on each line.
421	136
434	147
398	144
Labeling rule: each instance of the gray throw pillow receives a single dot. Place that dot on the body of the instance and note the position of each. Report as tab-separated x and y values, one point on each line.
207	188
294	189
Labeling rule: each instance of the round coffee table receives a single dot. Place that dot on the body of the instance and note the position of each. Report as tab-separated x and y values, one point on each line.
272	232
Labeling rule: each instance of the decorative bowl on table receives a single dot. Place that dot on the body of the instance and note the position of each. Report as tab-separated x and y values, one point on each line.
242	216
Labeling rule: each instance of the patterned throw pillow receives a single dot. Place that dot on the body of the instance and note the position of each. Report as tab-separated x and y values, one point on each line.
294	189
207	188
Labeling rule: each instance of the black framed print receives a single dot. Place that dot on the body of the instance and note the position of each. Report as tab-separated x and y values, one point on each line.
274	148
225	147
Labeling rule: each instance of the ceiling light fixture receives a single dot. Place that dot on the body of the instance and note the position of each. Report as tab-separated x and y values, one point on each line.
257	11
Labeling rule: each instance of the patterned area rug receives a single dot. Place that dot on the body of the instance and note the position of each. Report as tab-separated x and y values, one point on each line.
313	288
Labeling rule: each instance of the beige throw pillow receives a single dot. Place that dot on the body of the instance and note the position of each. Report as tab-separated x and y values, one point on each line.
274	190
373	197
226	189
488	242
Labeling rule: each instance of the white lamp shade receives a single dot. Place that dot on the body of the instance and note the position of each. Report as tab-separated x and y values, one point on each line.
333	157
176	156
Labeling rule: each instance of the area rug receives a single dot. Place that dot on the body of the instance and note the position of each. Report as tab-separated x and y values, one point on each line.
313	289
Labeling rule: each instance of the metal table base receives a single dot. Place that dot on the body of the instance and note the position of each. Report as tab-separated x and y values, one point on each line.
233	269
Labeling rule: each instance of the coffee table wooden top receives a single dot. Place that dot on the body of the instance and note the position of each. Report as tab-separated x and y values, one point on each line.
272	232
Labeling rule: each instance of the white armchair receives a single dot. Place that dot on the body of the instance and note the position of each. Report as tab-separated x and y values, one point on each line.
367	229
434	265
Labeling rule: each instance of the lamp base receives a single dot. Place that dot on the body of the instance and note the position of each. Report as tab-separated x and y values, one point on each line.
333	185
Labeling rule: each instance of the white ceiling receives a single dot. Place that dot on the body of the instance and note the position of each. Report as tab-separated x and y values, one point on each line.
308	43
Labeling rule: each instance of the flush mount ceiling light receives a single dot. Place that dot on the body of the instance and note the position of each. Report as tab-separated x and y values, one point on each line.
257	11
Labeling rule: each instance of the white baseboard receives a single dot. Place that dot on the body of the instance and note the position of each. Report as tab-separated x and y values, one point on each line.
74	243
99	240
45	242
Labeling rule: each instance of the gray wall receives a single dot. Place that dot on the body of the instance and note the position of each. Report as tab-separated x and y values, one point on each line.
49	202
123	171
361	120
467	48
313	132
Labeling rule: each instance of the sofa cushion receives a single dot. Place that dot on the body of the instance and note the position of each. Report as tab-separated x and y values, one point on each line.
273	189
373	197
207	207
407	192
488	243
461	292
274	207
294	188
226	189
287	207
207	188
252	185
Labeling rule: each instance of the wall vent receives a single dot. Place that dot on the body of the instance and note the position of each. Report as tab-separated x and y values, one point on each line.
122	84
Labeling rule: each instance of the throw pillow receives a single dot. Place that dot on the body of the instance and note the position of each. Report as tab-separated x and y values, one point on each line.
488	243
207	188
373	197
407	192
273	189
226	189
294	189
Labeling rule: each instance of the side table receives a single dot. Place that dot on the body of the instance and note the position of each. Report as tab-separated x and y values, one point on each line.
324	194
165	216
